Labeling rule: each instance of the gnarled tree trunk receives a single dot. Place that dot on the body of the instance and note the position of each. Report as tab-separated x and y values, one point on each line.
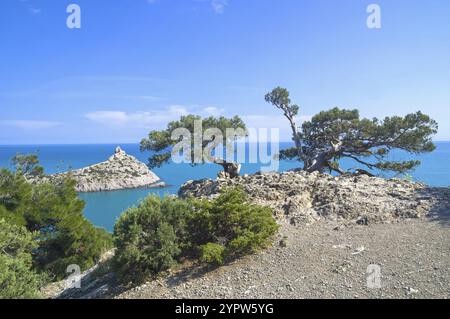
321	160
230	169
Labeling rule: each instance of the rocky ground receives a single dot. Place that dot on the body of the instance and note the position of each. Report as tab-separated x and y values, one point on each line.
322	262
120	171
335	235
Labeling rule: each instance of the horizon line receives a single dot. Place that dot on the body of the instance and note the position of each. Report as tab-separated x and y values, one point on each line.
128	143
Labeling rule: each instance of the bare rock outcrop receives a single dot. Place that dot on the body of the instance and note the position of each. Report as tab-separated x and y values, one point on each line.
307	197
120	171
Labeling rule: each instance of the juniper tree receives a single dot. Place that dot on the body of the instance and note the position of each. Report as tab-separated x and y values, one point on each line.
204	136
332	135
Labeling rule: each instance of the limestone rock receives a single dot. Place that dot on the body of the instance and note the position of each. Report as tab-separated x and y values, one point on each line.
303	198
120	171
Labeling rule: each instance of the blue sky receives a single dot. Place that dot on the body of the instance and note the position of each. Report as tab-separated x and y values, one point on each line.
135	65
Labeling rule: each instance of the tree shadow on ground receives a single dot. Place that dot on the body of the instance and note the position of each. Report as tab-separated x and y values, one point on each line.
197	270
186	274
440	210
103	284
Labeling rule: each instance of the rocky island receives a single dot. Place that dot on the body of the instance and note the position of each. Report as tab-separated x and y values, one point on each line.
120	171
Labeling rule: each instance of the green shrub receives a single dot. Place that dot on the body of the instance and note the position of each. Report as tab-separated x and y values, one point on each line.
159	232
17	279
212	253
147	239
242	226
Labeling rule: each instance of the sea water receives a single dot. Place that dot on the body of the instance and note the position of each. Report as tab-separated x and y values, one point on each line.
103	208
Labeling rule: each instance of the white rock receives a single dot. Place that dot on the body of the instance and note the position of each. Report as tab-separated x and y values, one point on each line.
120	171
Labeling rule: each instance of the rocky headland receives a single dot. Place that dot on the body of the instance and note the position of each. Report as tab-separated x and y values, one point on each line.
120	171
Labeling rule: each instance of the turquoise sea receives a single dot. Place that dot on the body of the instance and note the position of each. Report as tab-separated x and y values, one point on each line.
103	208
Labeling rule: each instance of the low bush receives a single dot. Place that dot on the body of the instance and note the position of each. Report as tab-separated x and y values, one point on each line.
240	226
159	232
146	238
212	253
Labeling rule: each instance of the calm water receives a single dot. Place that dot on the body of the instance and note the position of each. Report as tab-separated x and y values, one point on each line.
103	208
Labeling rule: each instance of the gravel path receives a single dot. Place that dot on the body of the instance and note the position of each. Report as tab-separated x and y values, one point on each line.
326	261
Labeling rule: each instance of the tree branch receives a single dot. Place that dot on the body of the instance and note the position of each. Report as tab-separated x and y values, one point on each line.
369	165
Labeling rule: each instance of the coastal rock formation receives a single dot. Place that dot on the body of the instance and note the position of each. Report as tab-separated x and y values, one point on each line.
120	171
327	259
307	197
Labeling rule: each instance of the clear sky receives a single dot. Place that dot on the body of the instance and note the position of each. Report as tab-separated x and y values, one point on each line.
136	64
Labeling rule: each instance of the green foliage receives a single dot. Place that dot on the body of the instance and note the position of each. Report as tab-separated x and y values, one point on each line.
66	236
159	232
400	167
55	214
15	197
212	253
338	133
28	165
240	226
279	97
146	237
160	143
17	279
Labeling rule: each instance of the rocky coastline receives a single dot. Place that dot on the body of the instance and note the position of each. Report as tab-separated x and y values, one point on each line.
332	230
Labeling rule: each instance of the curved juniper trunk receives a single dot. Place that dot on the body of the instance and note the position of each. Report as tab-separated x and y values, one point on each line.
318	162
230	169
295	135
